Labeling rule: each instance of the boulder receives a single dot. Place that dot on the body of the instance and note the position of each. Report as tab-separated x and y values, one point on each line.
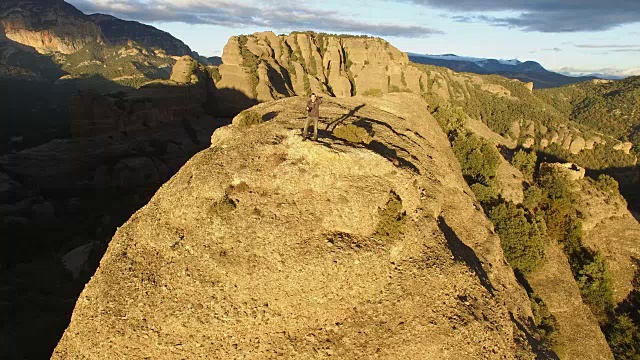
566	142
625	147
528	143
530	128
514	130
578	144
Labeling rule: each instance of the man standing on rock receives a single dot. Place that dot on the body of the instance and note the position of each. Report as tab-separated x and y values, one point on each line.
313	113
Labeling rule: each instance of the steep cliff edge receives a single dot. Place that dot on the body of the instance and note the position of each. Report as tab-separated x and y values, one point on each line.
267	245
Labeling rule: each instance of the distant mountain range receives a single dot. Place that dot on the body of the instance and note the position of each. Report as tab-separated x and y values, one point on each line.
527	71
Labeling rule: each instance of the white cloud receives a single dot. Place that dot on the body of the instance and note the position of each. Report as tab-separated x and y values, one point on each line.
266	14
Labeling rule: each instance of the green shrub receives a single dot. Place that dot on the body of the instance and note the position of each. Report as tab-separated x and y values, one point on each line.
635	140
392	219
484	193
608	185
450	118
373	92
313	70
394	88
523	240
307	85
352	133
546	324
532	198
595	283
214	72
525	161
250	61
623	336
249	118
478	158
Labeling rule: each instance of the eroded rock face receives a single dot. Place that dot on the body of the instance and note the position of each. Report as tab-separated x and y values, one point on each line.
529	86
47	26
294	248
301	63
555	285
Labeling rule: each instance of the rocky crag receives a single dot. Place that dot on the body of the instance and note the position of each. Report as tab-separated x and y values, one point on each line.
47	25
54	26
265	245
264	66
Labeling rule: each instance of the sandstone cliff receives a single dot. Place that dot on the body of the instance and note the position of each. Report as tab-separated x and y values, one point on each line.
264	66
47	25
265	245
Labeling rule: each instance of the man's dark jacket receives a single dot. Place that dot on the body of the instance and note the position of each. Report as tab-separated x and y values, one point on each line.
314	108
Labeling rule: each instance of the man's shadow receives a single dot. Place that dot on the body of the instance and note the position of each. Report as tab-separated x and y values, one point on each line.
334	123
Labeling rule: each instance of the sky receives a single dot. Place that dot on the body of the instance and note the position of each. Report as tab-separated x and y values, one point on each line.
570	36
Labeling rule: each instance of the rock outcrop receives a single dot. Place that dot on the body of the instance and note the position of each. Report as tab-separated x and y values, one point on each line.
266	245
570	171
265	67
555	285
190	93
610	228
47	25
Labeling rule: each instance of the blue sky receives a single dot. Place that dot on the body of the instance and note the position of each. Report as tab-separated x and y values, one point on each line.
579	36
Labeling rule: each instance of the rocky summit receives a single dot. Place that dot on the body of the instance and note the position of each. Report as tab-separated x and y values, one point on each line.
266	245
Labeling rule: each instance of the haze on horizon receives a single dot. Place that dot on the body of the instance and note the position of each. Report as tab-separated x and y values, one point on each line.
569	36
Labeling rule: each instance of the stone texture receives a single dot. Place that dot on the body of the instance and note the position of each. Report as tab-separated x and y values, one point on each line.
577	144
48	26
200	272
624	147
528	143
554	284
